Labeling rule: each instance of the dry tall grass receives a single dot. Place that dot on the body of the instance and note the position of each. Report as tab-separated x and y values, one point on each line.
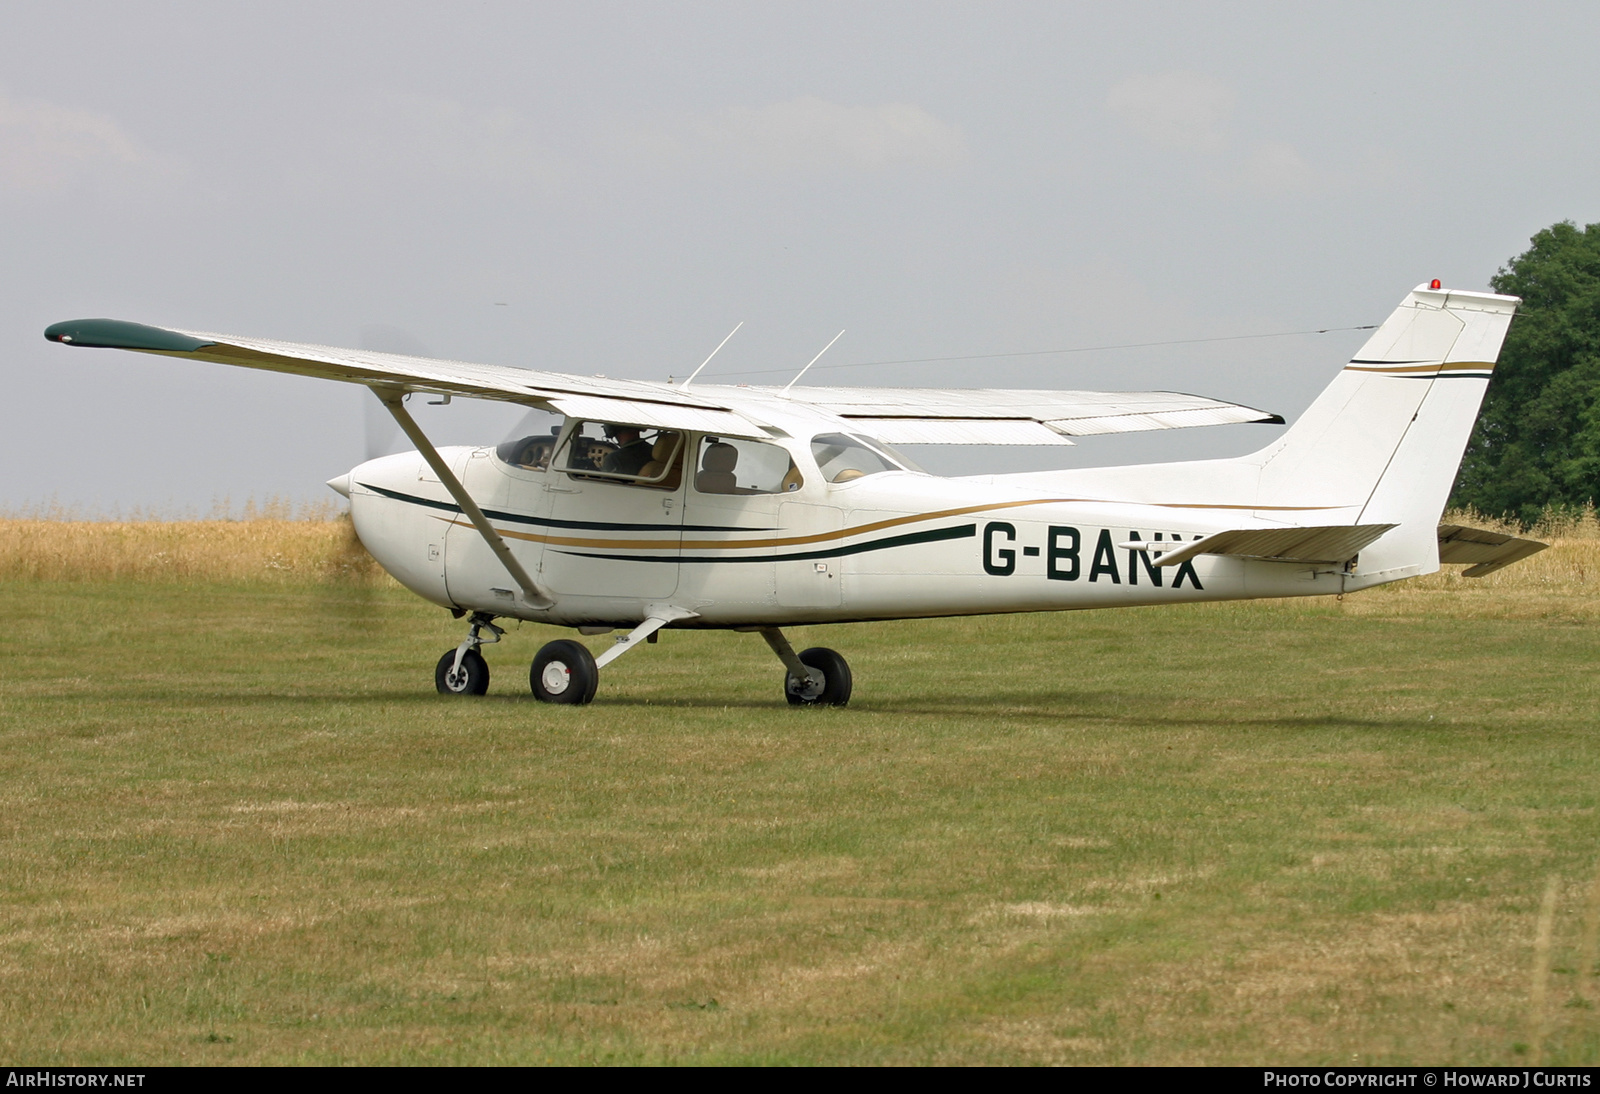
270	549
1562	581
273	507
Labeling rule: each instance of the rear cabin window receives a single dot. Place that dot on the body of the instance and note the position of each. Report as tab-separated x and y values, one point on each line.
842	457
733	466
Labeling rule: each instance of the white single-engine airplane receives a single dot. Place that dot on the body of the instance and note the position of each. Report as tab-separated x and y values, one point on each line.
638	505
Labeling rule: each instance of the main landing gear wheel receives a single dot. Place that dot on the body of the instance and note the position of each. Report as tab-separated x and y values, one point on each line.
473	679
827	682
564	672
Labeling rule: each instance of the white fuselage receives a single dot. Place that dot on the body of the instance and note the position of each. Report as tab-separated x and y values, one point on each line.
896	544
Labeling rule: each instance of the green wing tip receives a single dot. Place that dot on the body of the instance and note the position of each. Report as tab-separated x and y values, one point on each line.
120	334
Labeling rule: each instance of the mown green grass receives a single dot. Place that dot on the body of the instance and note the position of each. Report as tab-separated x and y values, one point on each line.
237	826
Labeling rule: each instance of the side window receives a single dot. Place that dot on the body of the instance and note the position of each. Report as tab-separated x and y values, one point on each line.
735	466
632	454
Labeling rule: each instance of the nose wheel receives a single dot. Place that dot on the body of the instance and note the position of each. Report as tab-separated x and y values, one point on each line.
471	677
463	671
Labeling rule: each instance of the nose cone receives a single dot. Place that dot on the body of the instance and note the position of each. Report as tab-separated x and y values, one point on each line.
340	484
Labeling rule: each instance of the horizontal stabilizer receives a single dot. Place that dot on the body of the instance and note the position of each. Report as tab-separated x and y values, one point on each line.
1325	546
1483	552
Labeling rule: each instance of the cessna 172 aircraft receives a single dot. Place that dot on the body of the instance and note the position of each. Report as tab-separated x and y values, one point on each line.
636	506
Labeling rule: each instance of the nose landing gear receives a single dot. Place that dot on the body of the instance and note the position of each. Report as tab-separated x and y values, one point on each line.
463	671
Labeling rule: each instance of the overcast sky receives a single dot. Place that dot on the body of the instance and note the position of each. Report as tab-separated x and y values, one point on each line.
611	187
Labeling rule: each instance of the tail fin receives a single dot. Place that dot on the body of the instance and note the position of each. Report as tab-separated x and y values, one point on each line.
1383	442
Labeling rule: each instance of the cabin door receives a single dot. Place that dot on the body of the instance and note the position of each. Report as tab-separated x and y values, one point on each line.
614	528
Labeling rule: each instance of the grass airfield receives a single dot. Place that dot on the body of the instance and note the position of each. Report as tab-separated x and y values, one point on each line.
240	827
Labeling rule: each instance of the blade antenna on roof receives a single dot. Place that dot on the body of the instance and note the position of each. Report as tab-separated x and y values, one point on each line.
714	352
809	363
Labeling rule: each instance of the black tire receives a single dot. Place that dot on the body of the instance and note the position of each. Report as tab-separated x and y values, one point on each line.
564	672
473	679
836	681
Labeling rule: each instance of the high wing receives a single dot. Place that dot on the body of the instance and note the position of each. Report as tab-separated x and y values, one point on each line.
1016	416
893	415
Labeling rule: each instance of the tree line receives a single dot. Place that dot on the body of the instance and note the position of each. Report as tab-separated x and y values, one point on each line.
1536	445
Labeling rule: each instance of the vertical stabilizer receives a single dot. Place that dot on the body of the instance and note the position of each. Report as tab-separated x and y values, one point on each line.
1383	442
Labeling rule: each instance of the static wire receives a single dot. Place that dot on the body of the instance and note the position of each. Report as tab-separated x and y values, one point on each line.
1074	349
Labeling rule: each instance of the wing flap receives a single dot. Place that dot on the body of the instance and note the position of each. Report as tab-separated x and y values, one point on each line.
1484	552
1018	431
1070	413
1136	422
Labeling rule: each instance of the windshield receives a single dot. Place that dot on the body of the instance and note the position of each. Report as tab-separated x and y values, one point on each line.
843	457
531	444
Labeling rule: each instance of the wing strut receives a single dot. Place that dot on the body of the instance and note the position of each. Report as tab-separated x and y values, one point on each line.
531	592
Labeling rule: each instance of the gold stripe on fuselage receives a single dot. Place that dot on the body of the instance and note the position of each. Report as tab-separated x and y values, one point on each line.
1453	366
837	534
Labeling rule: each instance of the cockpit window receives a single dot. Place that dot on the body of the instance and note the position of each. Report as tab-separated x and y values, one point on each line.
733	466
637	455
843	457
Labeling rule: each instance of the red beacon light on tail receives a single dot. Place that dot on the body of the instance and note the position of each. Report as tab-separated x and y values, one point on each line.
1435	284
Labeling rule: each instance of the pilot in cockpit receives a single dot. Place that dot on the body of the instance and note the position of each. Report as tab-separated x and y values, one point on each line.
632	453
